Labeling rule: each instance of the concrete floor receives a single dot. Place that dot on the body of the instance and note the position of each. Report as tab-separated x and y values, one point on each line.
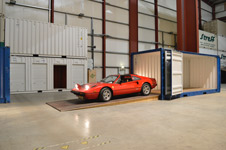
188	123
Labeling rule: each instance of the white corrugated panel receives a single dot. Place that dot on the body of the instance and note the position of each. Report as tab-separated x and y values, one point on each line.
200	71
30	74
148	65
32	37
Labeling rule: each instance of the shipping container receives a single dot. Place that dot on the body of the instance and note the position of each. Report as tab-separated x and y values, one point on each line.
28	37
35	74
178	73
4	75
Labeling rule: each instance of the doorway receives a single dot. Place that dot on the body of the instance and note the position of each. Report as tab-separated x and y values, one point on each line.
60	76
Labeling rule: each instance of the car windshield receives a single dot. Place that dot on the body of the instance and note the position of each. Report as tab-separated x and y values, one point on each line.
109	79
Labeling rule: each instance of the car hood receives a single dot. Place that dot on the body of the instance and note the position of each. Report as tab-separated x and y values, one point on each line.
82	87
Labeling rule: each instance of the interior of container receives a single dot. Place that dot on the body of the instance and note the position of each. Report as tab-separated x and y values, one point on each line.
199	73
149	65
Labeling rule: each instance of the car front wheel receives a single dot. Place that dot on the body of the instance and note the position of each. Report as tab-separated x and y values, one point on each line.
146	89
105	94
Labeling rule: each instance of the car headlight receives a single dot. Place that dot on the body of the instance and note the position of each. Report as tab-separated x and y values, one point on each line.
86	87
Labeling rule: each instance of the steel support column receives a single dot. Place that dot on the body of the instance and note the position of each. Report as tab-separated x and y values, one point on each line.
133	28
200	15
188	25
104	38
156	25
52	11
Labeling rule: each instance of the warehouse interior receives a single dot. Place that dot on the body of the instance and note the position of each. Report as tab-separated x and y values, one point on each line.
48	48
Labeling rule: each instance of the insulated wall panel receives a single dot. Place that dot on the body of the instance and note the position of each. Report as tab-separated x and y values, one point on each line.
146	8
85	22
111	71
89	8
146	35
120	3
206	15
117	30
116	60
145	46
12	11
167	26
146	21
114	45
116	14
148	65
31	37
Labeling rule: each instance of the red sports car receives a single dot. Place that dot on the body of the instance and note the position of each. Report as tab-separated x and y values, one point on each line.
115	85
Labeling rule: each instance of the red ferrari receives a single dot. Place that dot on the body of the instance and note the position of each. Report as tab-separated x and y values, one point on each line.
115	85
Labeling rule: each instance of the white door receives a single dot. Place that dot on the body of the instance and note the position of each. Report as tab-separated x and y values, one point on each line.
39	77
17	77
177	72
78	74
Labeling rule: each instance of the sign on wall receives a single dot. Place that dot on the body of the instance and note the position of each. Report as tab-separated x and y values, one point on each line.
207	40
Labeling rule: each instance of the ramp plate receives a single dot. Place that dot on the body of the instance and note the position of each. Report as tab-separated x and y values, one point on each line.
76	104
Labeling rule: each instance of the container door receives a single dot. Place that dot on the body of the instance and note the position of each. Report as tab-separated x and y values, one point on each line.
168	73
177	73
78	74
18	77
39	77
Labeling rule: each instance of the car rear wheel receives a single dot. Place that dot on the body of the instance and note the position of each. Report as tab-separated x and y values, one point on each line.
146	89
105	94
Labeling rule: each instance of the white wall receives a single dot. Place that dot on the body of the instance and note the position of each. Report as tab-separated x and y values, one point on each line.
206	12
200	72
220	11
117	30
167	23
148	65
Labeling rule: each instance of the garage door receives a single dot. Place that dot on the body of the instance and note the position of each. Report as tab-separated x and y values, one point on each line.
17	77
39	77
78	74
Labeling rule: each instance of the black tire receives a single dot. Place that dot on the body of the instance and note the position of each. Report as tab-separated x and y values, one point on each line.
105	95
146	89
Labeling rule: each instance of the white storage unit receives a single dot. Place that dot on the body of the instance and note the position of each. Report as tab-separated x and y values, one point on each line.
179	73
32	74
32	37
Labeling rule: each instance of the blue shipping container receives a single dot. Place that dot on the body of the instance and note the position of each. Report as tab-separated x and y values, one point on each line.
4	75
178	73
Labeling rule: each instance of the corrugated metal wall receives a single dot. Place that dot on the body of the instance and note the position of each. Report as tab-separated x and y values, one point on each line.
148	65
36	73
32	37
200	72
